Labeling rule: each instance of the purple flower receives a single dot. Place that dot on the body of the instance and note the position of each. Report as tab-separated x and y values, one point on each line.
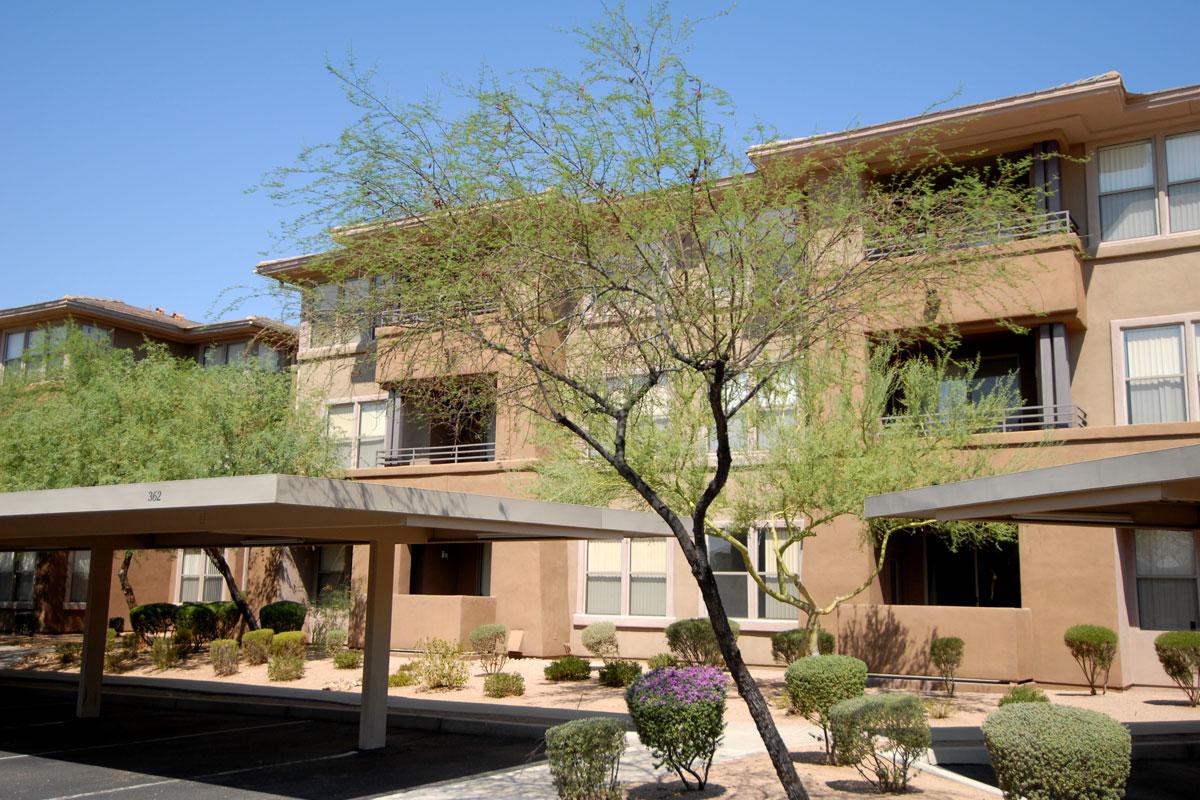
678	685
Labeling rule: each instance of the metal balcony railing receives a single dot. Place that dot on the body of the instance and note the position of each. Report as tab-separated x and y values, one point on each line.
1047	224
1025	418
445	454
409	316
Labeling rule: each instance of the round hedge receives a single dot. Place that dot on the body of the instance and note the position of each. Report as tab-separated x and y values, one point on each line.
693	641
1047	752
195	624
679	714
816	683
283	616
1179	654
153	619
584	756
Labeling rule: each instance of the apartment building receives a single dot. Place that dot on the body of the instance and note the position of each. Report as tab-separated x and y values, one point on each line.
47	590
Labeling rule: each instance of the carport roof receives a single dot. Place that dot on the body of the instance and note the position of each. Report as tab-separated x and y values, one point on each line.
1159	489
287	509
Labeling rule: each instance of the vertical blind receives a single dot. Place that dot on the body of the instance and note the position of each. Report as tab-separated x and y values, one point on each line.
1166	580
1154	373
769	607
648	577
372	425
341	430
1128	206
647	569
199	580
1183	181
81	563
603	590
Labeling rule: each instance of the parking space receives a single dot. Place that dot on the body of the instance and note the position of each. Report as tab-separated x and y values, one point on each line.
138	752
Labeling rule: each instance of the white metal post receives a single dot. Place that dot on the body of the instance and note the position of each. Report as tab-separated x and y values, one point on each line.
372	723
95	631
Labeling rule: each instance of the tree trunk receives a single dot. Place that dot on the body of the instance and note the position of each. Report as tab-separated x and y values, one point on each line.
123	579
218	560
748	689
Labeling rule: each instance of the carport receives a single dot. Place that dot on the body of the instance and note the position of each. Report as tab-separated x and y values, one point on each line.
1158	489
276	510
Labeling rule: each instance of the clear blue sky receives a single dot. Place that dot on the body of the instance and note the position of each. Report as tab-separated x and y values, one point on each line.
131	130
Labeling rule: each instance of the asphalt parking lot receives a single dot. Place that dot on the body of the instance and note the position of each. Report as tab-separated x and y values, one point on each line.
137	752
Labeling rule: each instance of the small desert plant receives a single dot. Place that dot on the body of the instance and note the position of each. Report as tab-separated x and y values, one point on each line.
223	653
693	641
568	668
290	643
946	653
1179	654
1042	751
68	652
328	613
787	646
403	677
1024	694
163	652
585	756
815	684
283	616
227	617
490	643
256	645
939	707
1093	647
441	665
347	659
679	715
152	619
504	684
662	660
334	641
881	735
284	667
195	625
619	674
600	639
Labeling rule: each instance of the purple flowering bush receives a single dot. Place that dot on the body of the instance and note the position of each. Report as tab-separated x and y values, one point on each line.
679	714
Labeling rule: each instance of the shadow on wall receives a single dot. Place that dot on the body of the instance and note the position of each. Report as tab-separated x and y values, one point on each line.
886	646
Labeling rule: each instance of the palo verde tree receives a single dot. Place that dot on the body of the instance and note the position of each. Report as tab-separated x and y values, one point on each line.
594	244
79	412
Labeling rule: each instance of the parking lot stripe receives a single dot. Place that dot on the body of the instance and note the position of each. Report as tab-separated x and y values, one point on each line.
109	746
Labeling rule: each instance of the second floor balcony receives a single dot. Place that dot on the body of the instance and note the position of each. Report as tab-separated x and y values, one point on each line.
461	453
1021	418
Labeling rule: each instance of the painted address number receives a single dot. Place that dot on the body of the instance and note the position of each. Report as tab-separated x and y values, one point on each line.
154	496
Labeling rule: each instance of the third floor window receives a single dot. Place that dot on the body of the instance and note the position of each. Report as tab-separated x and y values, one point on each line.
1142	194
1159	374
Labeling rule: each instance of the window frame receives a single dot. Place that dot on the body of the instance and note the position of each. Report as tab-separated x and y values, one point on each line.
68	603
357	402
755	622
1138	577
1158	144
624	619
178	592
22	605
253	353
1190	323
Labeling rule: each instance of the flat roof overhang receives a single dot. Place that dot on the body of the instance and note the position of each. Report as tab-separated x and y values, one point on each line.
1158	489
266	510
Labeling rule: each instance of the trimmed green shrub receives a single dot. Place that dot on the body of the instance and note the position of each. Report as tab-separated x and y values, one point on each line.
787	646
600	639
490	643
826	642
1179	654
1042	751
404	677
334	641
881	735
153	619
619	674
946	653
283	616
585	756
504	684
1023	694
68	652
1093	647
117	624
285	667
290	643
441	665
815	684
163	652
662	660
568	668
227	617
223	653
693	641
679	714
256	645
348	659
110	640
195	625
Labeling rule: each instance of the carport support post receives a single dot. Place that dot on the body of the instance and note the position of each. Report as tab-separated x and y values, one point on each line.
372	722
95	632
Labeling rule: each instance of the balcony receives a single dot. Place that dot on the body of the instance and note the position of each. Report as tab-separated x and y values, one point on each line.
444	454
1050	223
1024	418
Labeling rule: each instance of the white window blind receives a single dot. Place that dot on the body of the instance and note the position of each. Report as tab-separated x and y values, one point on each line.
648	577
341	430
199	580
1128	201
372	425
81	565
1183	181
1167	585
1154	374
769	607
603	589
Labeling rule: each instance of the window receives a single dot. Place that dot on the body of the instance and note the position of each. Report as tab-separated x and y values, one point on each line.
1159	360
80	565
332	563
16	577
360	430
626	578
1167	585
1137	199
232	352
21	347
337	312
199	580
740	594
